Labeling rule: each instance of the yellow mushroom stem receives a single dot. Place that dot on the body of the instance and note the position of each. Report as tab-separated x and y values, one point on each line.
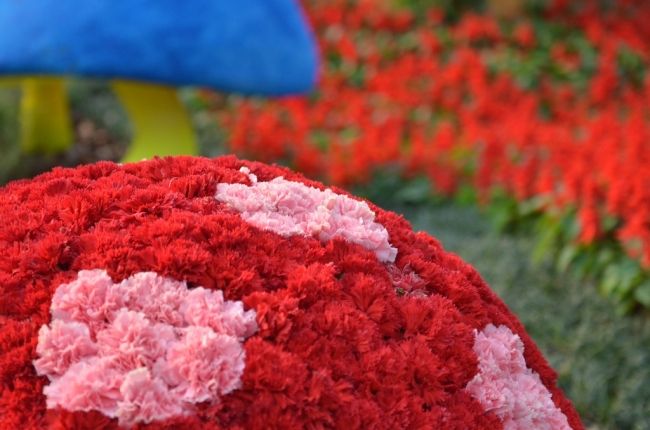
45	123
160	124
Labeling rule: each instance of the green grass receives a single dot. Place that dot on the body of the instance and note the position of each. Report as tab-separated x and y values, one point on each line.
603	359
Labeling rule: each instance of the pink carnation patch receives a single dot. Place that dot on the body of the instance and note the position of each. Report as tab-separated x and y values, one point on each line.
505	386
291	208
141	350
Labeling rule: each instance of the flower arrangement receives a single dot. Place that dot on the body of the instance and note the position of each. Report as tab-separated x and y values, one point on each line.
550	115
218	293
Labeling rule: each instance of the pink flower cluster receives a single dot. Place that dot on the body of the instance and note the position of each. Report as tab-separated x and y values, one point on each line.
505	386
291	208
144	349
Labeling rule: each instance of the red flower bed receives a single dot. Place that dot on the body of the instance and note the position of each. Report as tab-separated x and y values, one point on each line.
440	100
608	26
123	285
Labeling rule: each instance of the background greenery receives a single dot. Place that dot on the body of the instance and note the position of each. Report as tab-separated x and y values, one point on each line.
102	131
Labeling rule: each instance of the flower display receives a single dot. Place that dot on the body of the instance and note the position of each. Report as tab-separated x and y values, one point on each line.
543	112
219	293
142	350
290	208
506	386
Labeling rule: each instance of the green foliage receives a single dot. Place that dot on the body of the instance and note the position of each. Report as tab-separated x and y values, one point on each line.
466	195
388	188
615	274
507	214
9	148
632	67
452	9
529	66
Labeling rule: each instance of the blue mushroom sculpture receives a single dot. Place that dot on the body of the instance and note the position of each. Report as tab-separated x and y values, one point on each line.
147	48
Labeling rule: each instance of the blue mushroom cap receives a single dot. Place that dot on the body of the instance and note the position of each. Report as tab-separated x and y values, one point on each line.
247	46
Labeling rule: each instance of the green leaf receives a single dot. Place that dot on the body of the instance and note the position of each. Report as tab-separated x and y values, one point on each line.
605	257
416	191
642	293
567	256
611	278
533	205
466	195
630	274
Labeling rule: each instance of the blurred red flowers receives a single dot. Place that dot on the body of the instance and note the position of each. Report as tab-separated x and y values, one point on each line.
467	103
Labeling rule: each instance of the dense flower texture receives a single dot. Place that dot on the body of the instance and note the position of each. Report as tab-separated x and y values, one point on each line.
504	384
287	208
142	350
347	336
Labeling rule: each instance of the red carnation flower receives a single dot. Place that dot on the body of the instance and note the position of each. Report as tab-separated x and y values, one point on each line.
194	293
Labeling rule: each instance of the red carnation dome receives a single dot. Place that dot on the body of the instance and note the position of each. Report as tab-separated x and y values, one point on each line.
218	293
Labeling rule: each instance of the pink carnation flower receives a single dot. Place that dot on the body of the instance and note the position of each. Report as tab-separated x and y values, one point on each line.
203	365
147	399
132	340
203	307
90	384
62	345
507	387
137	291
86	299
291	208
141	350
